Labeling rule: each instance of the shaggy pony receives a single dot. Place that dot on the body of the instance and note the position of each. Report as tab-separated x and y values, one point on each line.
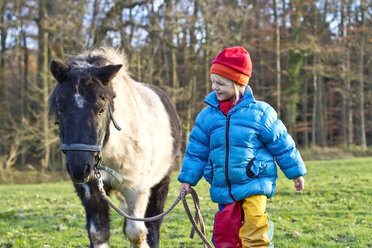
89	86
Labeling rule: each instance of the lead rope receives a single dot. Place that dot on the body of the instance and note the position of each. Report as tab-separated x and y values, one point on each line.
182	196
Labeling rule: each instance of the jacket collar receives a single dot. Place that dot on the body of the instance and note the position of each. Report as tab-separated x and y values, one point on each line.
211	99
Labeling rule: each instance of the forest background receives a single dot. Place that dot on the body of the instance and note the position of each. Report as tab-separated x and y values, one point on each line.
311	62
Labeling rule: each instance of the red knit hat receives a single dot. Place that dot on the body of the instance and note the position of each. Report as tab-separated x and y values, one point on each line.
233	63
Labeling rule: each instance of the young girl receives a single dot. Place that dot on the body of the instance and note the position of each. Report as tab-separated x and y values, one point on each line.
235	143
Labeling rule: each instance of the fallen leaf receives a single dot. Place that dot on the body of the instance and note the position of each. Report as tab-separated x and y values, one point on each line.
295	234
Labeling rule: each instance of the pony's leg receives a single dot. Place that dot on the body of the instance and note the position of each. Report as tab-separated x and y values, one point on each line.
97	214
156	206
136	206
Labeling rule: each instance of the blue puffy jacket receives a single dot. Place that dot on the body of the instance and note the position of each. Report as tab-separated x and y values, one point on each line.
236	152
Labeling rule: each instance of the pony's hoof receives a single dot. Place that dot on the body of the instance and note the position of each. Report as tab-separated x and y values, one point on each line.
136	235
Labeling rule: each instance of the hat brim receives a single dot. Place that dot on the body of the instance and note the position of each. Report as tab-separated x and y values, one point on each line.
229	73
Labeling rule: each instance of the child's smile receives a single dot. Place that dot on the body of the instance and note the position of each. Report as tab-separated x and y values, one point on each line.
224	92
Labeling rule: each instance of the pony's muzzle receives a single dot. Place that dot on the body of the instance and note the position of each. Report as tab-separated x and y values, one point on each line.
79	165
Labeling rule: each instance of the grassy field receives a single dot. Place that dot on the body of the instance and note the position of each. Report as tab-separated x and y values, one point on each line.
334	210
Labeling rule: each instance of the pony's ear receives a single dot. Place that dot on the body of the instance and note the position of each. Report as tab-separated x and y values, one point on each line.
59	70
106	73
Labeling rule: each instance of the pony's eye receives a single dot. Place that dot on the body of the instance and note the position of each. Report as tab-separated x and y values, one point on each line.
101	111
103	98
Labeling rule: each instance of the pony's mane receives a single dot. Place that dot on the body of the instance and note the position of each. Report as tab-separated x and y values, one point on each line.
100	57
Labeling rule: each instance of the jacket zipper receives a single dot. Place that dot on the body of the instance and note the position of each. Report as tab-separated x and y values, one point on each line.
227	157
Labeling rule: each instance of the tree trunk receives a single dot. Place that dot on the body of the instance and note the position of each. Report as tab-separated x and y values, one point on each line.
315	101
154	39
193	71
349	101
190	105
93	39
294	76
19	49
24	89
347	115
304	103
207	54
362	128
343	75
320	118
171	52
259	77
43	70
4	34
174	79
277	58
207	66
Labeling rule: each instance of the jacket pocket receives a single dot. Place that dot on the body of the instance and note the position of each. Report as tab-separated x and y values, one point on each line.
208	172
249	172
212	171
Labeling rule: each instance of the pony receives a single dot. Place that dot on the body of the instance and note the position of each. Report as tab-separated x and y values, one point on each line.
93	96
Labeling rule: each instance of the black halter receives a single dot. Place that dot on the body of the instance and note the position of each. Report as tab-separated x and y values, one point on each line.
97	149
86	147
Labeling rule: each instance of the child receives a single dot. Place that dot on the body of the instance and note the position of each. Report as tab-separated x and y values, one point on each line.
234	144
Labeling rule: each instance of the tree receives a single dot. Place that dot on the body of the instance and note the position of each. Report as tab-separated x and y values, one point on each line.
360	61
347	115
312	71
3	34
43	71
277	58
295	60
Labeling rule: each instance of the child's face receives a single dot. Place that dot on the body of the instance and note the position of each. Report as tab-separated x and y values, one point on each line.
224	91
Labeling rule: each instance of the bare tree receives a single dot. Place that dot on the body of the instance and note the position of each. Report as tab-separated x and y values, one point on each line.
360	61
3	34
43	71
277	58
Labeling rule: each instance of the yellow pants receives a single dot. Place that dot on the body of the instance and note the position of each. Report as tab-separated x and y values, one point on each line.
257	229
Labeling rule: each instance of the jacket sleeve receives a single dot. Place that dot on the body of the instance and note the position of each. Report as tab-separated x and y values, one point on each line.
281	145
196	155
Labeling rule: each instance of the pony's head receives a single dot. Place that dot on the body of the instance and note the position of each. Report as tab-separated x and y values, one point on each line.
81	104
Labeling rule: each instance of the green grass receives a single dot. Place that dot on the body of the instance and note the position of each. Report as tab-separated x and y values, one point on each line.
334	210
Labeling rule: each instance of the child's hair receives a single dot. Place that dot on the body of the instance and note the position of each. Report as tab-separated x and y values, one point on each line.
239	89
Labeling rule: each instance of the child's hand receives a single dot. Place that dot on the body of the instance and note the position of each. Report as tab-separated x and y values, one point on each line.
299	183
185	187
